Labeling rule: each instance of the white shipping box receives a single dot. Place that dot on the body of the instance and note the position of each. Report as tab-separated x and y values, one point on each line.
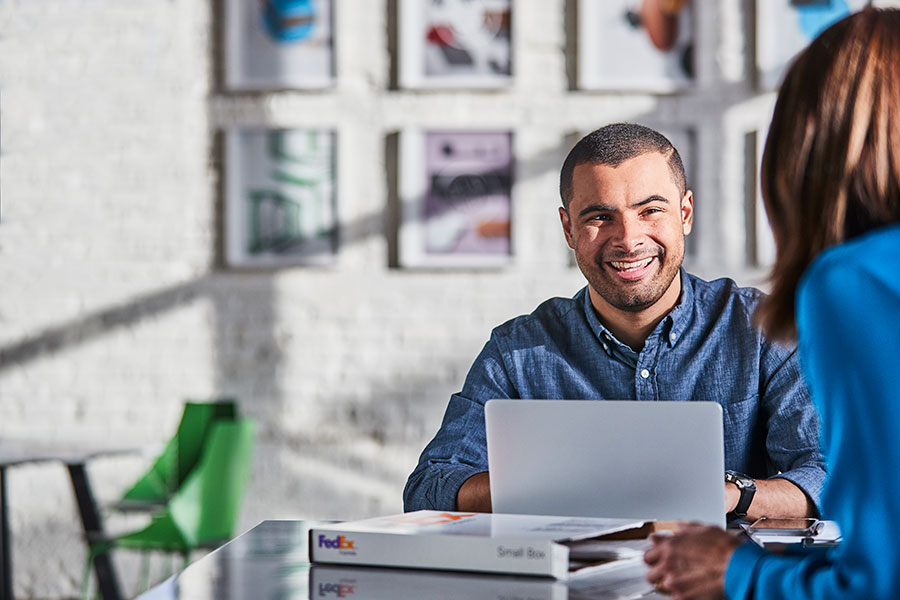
495	543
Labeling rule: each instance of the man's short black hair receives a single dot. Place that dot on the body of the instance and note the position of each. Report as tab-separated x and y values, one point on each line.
614	144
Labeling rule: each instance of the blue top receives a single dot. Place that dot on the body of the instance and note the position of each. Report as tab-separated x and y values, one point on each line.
706	348
848	319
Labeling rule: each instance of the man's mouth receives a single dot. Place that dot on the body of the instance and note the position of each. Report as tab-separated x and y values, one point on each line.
632	269
620	265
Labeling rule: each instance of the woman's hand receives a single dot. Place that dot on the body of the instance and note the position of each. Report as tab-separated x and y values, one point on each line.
691	564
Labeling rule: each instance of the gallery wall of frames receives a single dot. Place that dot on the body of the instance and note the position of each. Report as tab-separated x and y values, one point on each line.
455	184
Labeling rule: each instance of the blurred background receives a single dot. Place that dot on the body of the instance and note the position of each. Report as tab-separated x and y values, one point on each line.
321	209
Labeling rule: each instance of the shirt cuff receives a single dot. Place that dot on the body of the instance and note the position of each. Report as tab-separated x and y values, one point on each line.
809	479
741	572
450	482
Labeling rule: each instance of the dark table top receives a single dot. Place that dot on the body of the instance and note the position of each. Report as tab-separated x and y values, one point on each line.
270	562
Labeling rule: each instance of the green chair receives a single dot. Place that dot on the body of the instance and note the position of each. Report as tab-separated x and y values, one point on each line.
179	457
204	511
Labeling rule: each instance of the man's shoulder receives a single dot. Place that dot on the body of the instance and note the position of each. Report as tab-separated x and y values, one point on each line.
717	293
550	316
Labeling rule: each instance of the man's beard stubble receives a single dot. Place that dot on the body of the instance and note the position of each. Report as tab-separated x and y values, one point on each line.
625	296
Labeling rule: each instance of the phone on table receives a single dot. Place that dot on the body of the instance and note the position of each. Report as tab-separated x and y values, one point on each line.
804	526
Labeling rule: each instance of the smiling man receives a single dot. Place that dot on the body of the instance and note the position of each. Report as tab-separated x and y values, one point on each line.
643	329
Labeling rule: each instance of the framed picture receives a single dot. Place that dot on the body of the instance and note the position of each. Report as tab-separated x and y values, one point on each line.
455	189
280	201
455	43
621	48
785	27
278	44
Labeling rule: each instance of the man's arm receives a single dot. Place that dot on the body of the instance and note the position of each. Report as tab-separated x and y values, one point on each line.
792	440
459	449
777	497
475	494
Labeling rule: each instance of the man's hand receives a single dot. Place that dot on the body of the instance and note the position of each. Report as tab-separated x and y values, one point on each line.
691	564
474	494
777	498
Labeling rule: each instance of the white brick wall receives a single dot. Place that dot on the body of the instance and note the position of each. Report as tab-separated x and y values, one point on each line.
111	313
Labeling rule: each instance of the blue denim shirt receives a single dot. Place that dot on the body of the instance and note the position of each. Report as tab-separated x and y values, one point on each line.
706	348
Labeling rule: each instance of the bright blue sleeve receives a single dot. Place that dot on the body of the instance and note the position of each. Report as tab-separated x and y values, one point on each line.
848	318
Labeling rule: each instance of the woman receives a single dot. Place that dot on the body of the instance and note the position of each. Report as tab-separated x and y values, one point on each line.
831	183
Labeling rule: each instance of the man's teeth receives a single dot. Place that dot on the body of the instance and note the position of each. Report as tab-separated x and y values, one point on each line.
631	266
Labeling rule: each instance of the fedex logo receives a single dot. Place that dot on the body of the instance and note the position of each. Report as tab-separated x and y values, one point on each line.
339	590
338	543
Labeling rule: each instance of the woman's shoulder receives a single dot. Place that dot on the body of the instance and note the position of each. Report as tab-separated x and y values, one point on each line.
849	274
872	255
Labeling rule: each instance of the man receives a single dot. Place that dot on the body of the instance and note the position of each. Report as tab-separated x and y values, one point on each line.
642	329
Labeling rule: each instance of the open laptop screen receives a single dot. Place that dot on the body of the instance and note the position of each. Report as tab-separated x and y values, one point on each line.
605	458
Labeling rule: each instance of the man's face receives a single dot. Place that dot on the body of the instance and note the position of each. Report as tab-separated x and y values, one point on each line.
626	225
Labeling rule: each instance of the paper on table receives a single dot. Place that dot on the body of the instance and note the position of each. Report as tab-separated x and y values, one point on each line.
607	549
829	534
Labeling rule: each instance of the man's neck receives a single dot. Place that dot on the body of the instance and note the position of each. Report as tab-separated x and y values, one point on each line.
633	327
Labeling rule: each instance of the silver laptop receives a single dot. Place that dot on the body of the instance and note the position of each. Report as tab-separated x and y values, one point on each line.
604	458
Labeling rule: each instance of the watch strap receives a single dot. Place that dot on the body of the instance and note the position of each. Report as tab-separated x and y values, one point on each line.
747	487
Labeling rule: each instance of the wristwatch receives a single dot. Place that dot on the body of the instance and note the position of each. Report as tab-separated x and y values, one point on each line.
747	486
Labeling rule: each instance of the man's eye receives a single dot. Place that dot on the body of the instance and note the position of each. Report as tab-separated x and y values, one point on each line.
598	218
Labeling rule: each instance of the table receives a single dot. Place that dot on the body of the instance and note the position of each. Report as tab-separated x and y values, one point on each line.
271	561
75	456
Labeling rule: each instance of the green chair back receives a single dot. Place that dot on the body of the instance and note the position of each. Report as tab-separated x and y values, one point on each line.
181	453
204	511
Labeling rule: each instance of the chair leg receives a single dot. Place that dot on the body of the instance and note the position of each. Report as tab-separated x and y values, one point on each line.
86	578
145	570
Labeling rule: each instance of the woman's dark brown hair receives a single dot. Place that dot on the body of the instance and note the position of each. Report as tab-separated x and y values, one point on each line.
831	166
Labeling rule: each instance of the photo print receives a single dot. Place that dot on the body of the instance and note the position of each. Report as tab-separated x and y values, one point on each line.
280	204
455	43
278	44
456	191
623	47
785	27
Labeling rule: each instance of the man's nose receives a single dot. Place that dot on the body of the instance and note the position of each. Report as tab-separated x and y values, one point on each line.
628	234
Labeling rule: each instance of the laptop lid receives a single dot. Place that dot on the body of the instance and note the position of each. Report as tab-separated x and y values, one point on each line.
630	459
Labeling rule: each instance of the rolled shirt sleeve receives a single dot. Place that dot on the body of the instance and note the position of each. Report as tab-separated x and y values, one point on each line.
459	449
792	424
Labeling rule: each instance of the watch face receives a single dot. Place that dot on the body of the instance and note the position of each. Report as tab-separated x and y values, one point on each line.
740	480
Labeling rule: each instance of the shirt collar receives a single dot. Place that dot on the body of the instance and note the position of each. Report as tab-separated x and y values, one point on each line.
672	326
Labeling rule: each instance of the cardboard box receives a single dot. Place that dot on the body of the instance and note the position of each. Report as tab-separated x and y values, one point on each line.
494	543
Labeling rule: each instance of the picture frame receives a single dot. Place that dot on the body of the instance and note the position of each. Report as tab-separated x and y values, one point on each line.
615	51
280	197
278	44
455	187
784	28
455	43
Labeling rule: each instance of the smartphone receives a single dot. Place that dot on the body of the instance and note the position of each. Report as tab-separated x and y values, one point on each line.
806	527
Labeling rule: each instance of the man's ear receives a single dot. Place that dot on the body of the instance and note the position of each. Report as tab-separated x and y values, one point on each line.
567	226
687	212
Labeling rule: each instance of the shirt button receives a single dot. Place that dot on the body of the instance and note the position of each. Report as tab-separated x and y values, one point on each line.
605	347
673	336
645	373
